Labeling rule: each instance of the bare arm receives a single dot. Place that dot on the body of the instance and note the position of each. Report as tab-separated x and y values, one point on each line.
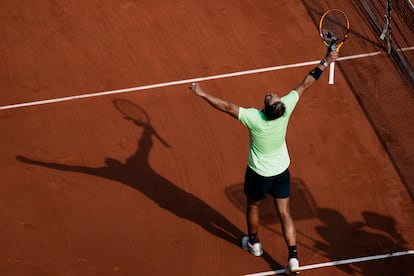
309	80
217	103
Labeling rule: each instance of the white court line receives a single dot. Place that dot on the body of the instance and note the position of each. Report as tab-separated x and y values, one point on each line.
406	49
152	86
337	263
411	4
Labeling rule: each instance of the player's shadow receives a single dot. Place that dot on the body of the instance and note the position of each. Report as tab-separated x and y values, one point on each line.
137	173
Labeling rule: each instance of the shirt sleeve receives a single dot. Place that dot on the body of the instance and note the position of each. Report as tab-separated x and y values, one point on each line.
290	101
246	116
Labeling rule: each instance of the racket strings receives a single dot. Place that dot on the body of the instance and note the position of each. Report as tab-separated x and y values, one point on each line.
334	27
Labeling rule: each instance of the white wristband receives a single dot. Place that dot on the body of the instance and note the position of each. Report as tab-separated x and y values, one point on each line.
324	63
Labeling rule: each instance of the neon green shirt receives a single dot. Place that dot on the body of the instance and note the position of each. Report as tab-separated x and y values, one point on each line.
268	154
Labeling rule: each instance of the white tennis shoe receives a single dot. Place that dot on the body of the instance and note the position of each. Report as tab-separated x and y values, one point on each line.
256	249
293	266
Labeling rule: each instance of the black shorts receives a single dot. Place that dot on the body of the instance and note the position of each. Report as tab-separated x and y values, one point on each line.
257	186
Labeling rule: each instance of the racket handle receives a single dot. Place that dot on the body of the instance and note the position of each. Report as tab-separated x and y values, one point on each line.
331	73
332	66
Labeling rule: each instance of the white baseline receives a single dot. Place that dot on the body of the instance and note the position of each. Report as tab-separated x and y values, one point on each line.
337	263
171	83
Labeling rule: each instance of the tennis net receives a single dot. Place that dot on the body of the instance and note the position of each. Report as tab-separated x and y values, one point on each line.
394	21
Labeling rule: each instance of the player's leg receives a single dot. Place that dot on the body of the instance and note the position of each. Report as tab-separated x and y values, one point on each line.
254	193
288	226
251	241
252	218
281	192
289	233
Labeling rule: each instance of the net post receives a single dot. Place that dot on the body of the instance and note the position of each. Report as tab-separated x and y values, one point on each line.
386	31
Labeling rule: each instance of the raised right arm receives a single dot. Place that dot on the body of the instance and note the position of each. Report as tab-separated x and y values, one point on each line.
314	75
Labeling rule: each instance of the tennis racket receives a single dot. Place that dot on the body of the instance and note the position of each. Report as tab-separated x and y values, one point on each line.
333	29
138	115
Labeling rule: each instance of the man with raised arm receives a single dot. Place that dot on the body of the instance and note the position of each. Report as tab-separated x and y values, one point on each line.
267	169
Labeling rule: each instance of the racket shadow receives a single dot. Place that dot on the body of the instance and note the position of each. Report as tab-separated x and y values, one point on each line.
138	115
136	172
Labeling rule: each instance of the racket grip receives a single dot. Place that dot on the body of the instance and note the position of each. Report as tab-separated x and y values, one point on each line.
331	73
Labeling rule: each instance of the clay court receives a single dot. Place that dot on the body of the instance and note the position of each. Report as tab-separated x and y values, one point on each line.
87	192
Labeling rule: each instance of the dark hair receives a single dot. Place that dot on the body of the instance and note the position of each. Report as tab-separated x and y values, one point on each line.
274	111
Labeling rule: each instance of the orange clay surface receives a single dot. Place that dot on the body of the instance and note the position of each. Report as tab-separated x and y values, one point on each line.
86	192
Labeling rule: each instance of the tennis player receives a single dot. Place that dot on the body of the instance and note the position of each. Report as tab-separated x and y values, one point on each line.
267	169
